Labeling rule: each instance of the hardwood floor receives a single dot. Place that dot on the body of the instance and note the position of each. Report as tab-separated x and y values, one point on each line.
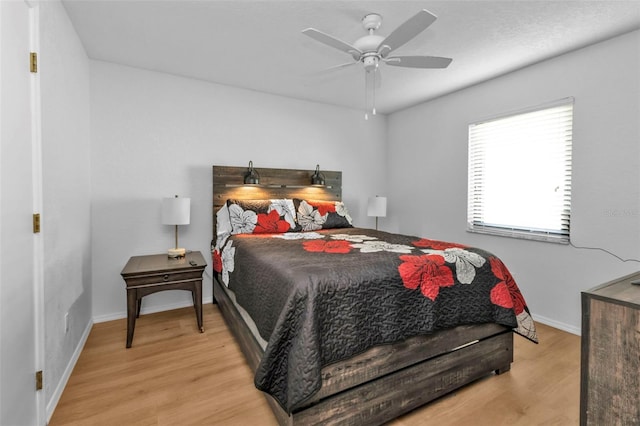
174	375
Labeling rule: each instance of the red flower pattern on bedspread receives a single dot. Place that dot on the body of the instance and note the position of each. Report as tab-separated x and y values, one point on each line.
436	245
508	284
217	261
333	246
323	208
270	223
500	295
427	272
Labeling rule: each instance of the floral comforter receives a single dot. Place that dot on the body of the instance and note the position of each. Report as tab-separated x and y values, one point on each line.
320	297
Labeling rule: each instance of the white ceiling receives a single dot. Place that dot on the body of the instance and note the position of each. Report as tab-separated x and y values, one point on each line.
258	45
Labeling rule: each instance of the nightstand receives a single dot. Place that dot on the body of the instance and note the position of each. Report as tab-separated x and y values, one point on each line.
145	275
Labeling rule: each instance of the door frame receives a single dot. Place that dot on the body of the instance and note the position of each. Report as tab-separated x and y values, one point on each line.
38	244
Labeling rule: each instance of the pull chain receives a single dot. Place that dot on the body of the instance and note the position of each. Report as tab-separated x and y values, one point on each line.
371	82
366	97
373	90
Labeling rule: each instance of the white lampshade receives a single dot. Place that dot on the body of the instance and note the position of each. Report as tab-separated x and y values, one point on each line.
176	211
377	206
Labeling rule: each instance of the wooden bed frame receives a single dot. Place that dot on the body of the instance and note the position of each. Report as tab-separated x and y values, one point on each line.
386	381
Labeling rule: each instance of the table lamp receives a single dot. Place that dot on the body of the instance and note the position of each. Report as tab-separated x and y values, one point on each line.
377	207
176	211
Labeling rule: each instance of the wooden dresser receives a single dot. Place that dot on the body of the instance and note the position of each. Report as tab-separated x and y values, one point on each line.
610	359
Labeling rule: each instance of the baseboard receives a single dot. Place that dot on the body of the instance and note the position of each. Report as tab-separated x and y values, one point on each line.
557	324
55	398
150	310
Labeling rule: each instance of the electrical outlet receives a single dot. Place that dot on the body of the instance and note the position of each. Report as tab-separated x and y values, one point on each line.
66	323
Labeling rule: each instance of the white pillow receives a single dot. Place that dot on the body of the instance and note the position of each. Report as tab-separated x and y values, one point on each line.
223	223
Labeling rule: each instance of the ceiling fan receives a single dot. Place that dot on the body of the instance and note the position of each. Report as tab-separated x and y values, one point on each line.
372	49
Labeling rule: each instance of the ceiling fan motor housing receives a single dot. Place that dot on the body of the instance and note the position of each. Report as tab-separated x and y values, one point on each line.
368	43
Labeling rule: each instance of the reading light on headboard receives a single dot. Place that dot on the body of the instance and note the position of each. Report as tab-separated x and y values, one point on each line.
318	178
251	177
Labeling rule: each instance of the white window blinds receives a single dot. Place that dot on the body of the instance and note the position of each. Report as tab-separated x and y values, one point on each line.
520	174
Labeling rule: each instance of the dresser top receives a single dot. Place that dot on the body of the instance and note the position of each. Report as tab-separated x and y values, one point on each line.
620	290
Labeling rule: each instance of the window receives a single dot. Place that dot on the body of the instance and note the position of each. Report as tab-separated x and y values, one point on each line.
520	174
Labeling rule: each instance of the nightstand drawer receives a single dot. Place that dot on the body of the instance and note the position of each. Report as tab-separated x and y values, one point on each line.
163	278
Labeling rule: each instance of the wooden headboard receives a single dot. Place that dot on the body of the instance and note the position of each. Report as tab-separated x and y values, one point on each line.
228	182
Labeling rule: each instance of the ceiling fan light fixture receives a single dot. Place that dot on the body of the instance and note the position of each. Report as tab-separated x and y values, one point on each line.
370	62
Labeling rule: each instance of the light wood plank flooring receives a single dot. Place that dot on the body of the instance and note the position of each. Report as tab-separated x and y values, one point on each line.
174	375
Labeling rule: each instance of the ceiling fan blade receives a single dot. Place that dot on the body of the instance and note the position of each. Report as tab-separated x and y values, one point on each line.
326	75
333	42
340	66
418	61
405	32
330	71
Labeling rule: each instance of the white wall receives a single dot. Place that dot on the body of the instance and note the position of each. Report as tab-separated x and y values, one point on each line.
155	135
64	79
428	143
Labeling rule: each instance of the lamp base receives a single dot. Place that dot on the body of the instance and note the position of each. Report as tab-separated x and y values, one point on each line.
176	252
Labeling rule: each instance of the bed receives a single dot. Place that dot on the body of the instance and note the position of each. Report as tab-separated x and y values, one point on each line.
339	323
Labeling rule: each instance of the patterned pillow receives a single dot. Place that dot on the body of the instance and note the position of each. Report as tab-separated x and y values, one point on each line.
313	214
262	216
